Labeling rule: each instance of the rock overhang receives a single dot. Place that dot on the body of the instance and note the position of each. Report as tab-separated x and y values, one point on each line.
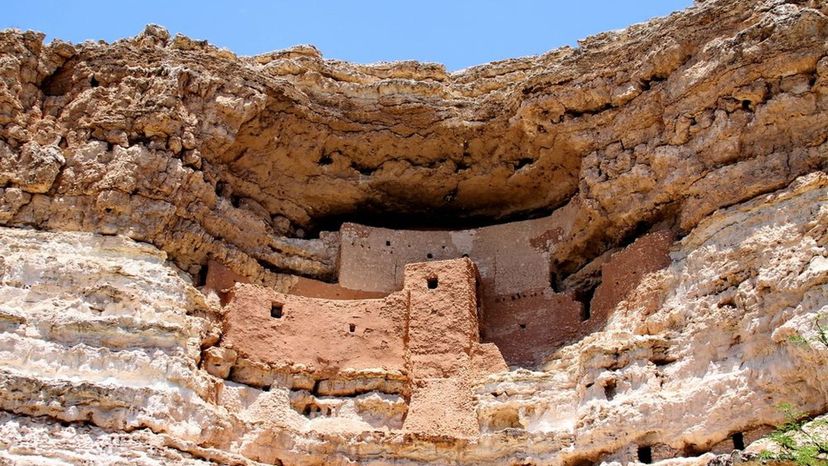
681	126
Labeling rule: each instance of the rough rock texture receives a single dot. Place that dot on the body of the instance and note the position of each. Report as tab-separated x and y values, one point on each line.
101	331
34	441
125	168
202	153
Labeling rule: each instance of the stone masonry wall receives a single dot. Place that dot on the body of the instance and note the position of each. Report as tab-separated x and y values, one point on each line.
519	310
514	271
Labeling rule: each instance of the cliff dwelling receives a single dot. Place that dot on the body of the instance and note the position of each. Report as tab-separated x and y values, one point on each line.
614	253
433	311
517	306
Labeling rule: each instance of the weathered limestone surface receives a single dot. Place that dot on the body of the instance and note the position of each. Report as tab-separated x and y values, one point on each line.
204	154
125	168
36	441
699	350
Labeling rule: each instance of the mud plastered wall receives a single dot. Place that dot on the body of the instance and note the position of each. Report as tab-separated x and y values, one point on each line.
519	309
419	345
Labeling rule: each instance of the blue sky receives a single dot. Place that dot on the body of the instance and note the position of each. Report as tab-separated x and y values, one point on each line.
457	33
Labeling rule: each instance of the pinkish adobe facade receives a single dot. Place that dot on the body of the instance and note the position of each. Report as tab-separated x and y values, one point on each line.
519	310
516	307
421	332
421	343
514	271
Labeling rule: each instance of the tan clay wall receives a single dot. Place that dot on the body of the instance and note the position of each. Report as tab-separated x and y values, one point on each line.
513	265
519	311
441	323
319	289
624	270
324	336
529	325
444	354
428	331
442	316
510	258
220	278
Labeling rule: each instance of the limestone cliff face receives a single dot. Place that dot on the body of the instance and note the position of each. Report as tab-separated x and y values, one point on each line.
201	153
126	167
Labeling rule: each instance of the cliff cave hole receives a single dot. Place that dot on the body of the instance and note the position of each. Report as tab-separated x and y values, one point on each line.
586	312
584	462
59	82
311	410
555	282
352	328
429	256
524	162
645	454
661	360
362	169
202	276
220	188
610	390
585	298
727	301
431	282
93	82
388	243
276	310
522	326
325	160
738	440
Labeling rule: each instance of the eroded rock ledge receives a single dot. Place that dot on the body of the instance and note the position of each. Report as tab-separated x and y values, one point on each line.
103	335
205	154
662	188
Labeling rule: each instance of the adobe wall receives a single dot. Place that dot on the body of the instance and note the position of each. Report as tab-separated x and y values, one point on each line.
442	316
428	332
510	257
624	270
318	289
430	321
529	325
220	278
320	336
526	323
444	353
519	311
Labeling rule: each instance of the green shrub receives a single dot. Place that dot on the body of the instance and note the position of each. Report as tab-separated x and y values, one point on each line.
800	438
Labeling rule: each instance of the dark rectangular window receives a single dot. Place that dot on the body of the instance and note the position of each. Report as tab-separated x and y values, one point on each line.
645	454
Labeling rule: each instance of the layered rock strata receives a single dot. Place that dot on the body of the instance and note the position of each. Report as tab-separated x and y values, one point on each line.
680	166
700	350
208	155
